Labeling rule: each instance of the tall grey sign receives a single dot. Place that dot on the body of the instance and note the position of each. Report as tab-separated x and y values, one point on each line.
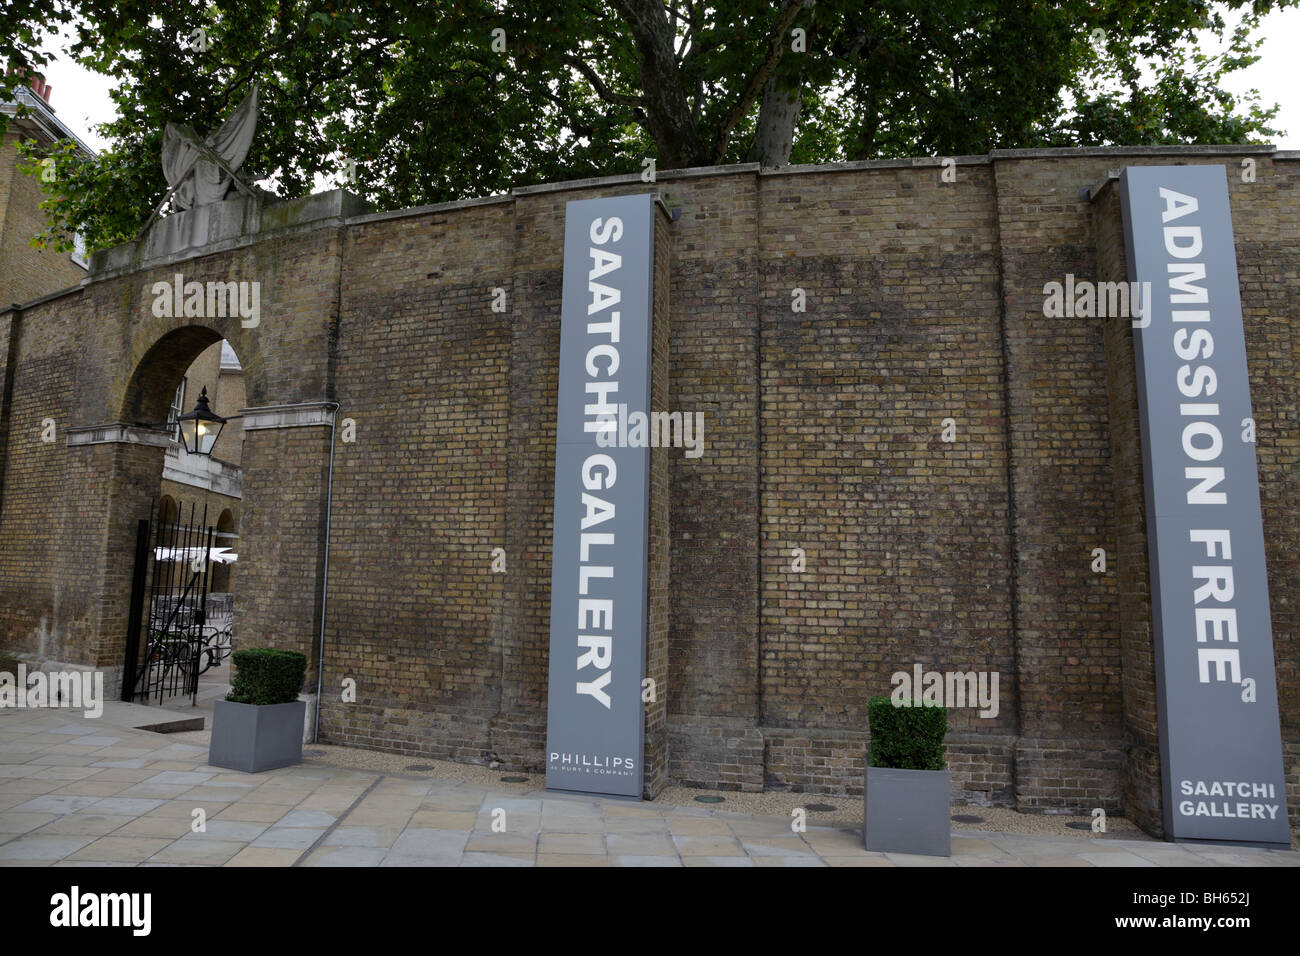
595	722
1220	743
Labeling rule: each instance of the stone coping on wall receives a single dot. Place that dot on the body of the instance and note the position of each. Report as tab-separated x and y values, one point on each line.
698	172
118	432
229	224
301	415
33	303
337	207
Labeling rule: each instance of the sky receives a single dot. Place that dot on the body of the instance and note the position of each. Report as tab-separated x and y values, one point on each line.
81	100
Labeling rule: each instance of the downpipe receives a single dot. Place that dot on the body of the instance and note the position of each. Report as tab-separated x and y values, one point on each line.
325	576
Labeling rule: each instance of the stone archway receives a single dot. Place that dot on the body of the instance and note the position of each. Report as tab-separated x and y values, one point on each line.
286	450
98	364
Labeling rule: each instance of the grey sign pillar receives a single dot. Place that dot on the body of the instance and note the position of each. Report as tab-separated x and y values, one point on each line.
595	725
1220	742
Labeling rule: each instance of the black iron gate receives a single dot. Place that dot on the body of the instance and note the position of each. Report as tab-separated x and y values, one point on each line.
170	640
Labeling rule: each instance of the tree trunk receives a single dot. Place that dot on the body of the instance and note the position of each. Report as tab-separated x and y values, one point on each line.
668	117
863	141
777	117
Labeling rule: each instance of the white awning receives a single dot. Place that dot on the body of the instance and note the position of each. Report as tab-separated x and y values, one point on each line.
219	555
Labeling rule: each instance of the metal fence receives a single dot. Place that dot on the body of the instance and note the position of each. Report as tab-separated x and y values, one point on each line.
176	629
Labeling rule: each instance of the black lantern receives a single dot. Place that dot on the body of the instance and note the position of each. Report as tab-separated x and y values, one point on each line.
200	428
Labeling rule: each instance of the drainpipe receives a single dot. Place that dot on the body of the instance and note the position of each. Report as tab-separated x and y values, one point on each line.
325	577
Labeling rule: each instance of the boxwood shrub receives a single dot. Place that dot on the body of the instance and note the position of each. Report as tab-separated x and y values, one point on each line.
906	737
267	675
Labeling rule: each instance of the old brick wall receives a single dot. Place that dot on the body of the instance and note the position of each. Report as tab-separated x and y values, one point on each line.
656	774
205	501
904	534
99	355
713	662
1068	661
1140	784
420	496
42	605
824	431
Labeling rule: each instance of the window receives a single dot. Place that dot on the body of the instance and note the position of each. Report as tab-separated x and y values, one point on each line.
79	251
175	412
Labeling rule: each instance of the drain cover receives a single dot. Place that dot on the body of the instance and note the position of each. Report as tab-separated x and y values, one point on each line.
420	766
966	818
514	779
313	753
1079	826
709	799
821	808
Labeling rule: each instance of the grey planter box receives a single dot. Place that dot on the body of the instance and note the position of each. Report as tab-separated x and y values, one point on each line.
252	739
907	811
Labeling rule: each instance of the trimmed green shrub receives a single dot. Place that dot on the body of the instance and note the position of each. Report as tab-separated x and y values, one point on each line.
267	675
907	738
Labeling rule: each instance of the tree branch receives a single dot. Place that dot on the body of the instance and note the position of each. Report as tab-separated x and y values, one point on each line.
757	80
597	84
663	93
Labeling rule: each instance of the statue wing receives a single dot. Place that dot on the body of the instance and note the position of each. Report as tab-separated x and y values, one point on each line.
178	161
232	138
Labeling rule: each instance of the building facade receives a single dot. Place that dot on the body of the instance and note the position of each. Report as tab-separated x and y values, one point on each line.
26	272
906	462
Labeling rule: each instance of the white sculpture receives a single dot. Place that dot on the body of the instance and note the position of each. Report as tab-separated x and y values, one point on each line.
204	171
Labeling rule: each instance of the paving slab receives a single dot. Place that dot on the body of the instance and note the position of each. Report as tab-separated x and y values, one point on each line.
115	849
288	838
346	856
473	858
37	847
86	823
111	794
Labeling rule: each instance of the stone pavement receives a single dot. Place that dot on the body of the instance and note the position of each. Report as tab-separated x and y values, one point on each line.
82	792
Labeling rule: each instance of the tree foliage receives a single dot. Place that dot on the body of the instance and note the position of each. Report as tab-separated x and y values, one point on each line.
442	100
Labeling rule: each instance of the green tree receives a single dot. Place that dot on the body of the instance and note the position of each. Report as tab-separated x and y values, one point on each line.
442	100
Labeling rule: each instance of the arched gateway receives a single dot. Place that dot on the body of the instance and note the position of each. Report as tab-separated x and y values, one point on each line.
882	392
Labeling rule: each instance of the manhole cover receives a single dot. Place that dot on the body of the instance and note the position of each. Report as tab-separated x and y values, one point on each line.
313	753
514	779
821	808
420	766
709	799
1079	826
966	818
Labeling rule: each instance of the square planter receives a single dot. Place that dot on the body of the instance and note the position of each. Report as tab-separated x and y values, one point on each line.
907	811
254	738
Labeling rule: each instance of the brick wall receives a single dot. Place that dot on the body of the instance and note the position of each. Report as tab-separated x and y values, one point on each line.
420	496
1141	782
904	534
659	577
824	431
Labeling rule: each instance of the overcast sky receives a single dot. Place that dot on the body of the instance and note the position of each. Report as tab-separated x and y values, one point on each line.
81	98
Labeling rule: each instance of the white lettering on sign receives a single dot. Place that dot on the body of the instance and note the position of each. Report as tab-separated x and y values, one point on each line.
596	650
1202	440
1216	623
